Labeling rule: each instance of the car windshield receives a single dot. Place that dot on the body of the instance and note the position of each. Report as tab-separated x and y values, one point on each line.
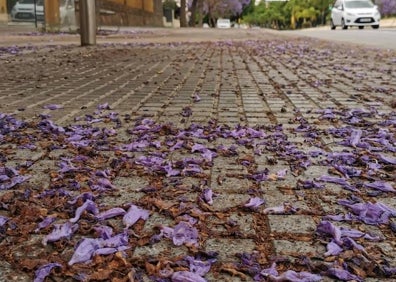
358	4
38	2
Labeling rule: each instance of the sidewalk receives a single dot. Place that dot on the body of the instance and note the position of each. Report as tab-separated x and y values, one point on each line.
231	157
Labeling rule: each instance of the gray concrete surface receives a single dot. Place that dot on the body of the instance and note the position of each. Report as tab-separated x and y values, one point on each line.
243	78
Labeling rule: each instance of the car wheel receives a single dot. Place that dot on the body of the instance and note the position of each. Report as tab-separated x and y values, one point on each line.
344	26
332	24
361	27
375	26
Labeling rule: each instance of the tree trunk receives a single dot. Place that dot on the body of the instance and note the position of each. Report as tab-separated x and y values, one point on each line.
200	12
193	13
183	20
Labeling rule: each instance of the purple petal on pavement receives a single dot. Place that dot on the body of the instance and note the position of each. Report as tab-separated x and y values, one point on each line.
207	196
309	184
184	233
208	155
84	250
43	271
198	266
196	97
113	212
116	241
326	227
333	249
104	106
109	250
60	231
380	185
354	139
52	107
104	231
342	274
198	148
270	271
87	206
133	214
44	223
387	159
186	276
3	220
254	203
294	276
286	208
282	173
369	213
170	171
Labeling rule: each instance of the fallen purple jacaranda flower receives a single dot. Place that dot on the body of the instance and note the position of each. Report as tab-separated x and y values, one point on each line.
282	173
338	180
52	107
294	276
170	171
104	106
369	213
286	208
199	267
207	196
208	155
254	203
105	232
45	223
184	233
101	184
333	249
133	214
84	251
89	206
186	276
9	177
60	231
113	212
380	185
196	97
329	228
354	139
342	274
110	250
271	271
84	197
43	271
309	184
387	159
3	220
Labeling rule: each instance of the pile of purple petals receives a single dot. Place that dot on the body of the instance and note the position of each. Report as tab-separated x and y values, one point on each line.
69	212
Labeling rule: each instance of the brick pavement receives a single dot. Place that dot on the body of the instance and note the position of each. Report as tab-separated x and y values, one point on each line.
268	82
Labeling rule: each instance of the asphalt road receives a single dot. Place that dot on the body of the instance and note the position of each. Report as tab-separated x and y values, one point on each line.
384	38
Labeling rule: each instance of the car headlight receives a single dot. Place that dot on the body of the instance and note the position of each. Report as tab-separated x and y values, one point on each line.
350	14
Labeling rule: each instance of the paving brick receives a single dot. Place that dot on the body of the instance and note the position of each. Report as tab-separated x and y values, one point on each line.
229	248
297	248
291	224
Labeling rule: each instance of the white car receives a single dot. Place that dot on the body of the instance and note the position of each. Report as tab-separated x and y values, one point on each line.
67	13
24	10
358	13
223	23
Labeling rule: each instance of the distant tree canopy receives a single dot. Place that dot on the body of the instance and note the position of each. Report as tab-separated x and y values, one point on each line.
288	14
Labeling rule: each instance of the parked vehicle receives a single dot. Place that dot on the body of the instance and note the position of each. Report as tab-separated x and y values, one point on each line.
25	10
360	13
67	13
223	23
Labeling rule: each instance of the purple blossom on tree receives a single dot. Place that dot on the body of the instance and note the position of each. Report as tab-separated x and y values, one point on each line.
387	7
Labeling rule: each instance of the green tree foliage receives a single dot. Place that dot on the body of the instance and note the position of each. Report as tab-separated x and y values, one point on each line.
289	14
